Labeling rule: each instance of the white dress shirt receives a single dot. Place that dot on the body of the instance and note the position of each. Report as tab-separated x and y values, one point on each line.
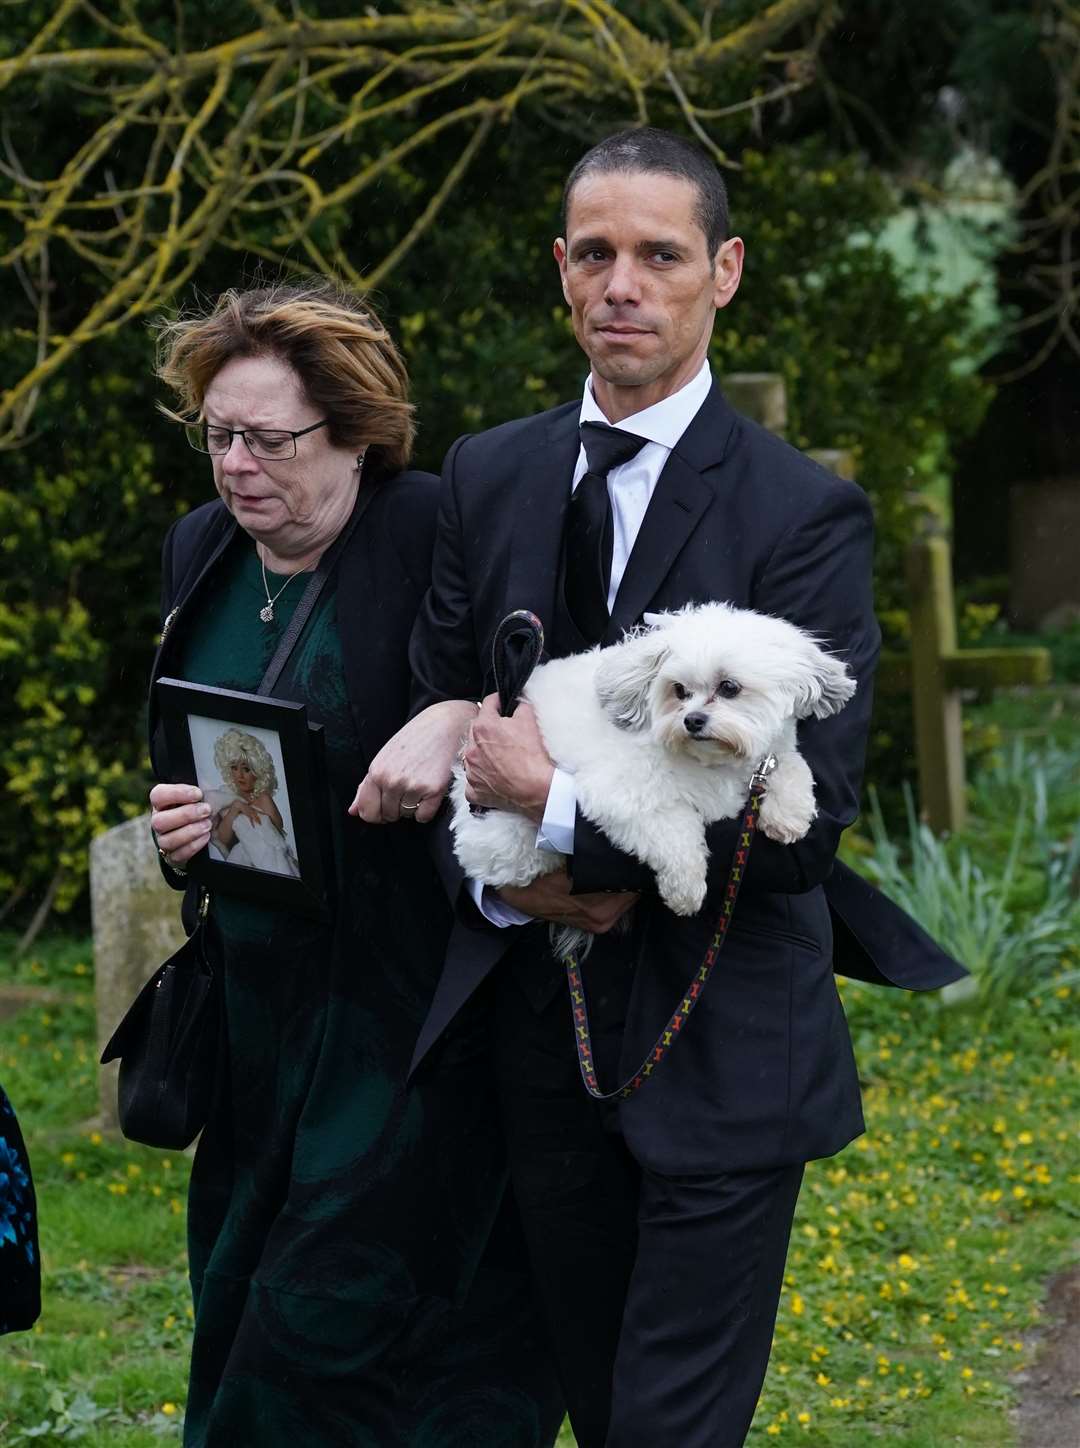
630	488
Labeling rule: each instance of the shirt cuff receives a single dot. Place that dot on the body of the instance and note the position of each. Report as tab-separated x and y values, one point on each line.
495	911
556	830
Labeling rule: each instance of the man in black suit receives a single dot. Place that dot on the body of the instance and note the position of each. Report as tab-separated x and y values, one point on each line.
657	1227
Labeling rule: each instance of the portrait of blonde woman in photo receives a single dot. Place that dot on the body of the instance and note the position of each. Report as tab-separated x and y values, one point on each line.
247	827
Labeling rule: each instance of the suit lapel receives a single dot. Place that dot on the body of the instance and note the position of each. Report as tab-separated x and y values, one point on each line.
683	493
540	500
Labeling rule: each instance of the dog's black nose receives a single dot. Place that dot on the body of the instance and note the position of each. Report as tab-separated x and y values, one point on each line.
695	722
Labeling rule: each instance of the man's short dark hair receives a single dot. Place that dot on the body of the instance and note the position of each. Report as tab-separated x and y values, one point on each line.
649	149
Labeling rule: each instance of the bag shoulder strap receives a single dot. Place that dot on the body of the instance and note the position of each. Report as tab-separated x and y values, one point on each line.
310	596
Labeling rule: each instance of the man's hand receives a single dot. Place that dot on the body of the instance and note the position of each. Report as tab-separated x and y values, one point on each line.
414	766
506	764
549	898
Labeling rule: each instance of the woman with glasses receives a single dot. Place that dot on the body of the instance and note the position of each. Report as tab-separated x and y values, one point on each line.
354	1278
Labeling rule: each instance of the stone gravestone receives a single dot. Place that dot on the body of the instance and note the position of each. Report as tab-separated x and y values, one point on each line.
136	920
1044	529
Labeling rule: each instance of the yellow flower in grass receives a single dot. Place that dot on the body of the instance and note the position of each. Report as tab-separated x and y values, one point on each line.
168	1409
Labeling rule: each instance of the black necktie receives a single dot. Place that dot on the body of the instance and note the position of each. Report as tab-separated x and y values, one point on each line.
590	527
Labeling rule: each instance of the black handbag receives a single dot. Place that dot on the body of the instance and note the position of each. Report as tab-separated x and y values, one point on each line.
168	1044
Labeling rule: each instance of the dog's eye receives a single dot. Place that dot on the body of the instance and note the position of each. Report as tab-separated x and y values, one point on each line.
728	688
680	692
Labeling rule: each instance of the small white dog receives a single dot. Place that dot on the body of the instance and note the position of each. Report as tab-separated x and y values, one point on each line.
662	733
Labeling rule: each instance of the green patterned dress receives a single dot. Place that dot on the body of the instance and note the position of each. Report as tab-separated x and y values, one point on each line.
338	1219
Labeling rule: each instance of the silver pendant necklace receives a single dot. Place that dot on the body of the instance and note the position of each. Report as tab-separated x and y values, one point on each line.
266	613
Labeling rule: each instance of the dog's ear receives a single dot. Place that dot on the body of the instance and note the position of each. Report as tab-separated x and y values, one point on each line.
625	674
822	684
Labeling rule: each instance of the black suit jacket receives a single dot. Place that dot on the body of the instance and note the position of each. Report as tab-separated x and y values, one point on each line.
382	577
765	1073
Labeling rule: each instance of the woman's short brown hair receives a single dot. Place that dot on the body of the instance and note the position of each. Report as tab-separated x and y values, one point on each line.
348	365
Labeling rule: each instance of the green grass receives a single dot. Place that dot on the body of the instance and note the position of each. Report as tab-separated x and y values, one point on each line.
919	1256
114	1334
918	1261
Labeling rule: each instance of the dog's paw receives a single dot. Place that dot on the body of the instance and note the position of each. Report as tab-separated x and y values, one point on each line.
682	894
784	825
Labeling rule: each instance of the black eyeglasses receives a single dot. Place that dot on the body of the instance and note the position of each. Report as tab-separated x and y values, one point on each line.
272	445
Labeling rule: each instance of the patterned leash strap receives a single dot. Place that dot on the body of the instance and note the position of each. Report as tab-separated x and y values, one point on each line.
694	991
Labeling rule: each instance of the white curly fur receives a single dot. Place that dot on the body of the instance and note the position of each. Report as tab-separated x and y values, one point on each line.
617	719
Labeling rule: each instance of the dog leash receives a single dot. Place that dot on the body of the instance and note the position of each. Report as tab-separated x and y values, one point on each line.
759	783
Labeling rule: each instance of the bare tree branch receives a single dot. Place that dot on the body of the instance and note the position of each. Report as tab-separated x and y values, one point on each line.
290	120
1049	206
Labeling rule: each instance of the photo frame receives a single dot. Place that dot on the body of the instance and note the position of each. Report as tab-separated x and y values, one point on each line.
261	766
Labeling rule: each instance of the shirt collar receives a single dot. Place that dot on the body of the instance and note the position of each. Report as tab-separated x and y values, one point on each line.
665	421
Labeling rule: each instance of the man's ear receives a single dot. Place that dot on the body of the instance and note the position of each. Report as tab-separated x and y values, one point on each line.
727	270
624	678
559	251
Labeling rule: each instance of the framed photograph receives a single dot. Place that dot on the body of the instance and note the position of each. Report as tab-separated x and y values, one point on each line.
261	768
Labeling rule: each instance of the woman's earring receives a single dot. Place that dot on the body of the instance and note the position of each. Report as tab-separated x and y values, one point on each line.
360	459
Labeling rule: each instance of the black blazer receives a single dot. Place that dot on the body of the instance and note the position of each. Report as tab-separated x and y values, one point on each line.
382	577
765	1074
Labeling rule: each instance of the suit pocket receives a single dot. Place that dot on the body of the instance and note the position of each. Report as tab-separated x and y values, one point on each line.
777	933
